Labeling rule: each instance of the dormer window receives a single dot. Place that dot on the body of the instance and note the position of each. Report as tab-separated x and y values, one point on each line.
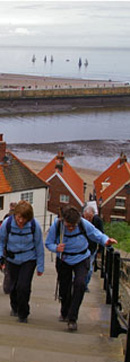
105	185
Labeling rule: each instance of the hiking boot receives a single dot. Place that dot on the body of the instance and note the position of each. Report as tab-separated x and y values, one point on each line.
13	313
23	320
72	326
87	290
63	319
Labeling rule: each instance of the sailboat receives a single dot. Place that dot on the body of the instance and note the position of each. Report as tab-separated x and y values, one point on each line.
80	62
86	63
52	60
33	58
45	59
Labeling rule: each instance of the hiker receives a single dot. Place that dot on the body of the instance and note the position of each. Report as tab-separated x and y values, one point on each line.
11	209
23	247
73	259
6	280
90	215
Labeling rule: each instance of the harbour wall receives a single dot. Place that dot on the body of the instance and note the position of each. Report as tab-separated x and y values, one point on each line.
71	92
49	100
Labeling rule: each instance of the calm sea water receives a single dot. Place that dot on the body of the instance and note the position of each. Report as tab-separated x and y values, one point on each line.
103	63
90	139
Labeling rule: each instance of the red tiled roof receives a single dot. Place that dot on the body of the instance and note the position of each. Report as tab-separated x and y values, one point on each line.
68	174
4	184
117	175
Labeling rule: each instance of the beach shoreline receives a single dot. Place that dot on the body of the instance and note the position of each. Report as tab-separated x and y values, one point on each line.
8	80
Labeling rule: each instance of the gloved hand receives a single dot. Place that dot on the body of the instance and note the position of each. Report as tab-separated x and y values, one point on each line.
2	263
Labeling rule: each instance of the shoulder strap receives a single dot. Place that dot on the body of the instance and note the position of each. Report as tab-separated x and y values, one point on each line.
8	224
8	227
82	229
33	226
57	232
92	244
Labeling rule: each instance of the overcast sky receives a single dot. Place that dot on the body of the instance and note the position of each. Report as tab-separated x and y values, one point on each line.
68	23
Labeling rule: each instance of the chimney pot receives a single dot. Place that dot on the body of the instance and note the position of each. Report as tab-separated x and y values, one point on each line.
2	148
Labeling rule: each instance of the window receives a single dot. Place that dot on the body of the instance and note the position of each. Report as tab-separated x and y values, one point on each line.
28	196
1	202
64	198
120	202
116	218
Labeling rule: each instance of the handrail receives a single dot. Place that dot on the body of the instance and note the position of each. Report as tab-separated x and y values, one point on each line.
110	270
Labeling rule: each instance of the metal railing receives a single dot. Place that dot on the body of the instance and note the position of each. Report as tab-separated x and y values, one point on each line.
111	271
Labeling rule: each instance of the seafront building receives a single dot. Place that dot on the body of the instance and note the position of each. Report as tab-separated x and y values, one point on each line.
112	190
19	182
66	186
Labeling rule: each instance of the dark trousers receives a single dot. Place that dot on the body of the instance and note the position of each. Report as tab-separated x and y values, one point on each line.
20	286
71	286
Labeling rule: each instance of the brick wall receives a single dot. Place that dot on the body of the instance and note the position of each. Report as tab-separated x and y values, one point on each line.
56	189
109	209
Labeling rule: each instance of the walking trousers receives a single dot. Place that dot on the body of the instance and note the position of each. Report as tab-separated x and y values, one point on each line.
20	286
71	286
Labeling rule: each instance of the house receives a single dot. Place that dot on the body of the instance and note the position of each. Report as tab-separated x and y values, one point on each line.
112	189
66	186
19	182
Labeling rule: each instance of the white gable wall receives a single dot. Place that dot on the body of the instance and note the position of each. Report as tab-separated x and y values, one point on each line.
39	203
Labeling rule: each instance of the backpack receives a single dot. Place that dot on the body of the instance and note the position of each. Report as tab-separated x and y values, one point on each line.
8	228
6	281
92	245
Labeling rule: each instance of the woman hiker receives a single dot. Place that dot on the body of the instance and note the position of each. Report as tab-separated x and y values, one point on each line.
73	259
23	247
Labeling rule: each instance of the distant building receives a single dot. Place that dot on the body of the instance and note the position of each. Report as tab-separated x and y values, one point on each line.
66	186
19	182
112	189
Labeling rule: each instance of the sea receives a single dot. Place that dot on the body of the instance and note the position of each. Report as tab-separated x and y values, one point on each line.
91	138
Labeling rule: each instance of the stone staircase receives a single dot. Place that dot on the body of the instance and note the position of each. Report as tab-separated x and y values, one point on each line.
44	338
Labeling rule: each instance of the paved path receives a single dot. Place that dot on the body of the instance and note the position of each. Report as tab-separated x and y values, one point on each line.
44	338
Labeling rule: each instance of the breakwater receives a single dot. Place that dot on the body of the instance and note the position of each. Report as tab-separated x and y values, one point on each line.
72	92
45	100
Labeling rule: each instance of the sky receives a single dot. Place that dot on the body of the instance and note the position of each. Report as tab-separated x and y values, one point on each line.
66	23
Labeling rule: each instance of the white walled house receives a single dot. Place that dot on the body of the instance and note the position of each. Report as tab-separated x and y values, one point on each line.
19	182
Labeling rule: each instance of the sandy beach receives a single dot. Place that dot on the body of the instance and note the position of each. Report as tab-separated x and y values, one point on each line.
17	81
87	175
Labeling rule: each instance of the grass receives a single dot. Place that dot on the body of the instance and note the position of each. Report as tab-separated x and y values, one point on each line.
121	232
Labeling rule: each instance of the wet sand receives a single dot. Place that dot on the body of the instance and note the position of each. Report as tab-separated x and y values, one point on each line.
87	175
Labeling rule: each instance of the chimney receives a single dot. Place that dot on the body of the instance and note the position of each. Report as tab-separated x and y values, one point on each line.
2	148
123	158
85	187
59	161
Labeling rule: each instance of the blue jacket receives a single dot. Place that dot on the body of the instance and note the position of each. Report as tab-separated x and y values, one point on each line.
23	242
74	243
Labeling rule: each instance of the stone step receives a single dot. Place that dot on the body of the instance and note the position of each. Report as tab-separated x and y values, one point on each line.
44	338
18	354
27	340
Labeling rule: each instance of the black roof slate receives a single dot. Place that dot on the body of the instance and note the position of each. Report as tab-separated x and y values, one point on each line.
19	176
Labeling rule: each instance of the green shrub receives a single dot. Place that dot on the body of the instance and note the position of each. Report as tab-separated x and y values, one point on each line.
121	232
